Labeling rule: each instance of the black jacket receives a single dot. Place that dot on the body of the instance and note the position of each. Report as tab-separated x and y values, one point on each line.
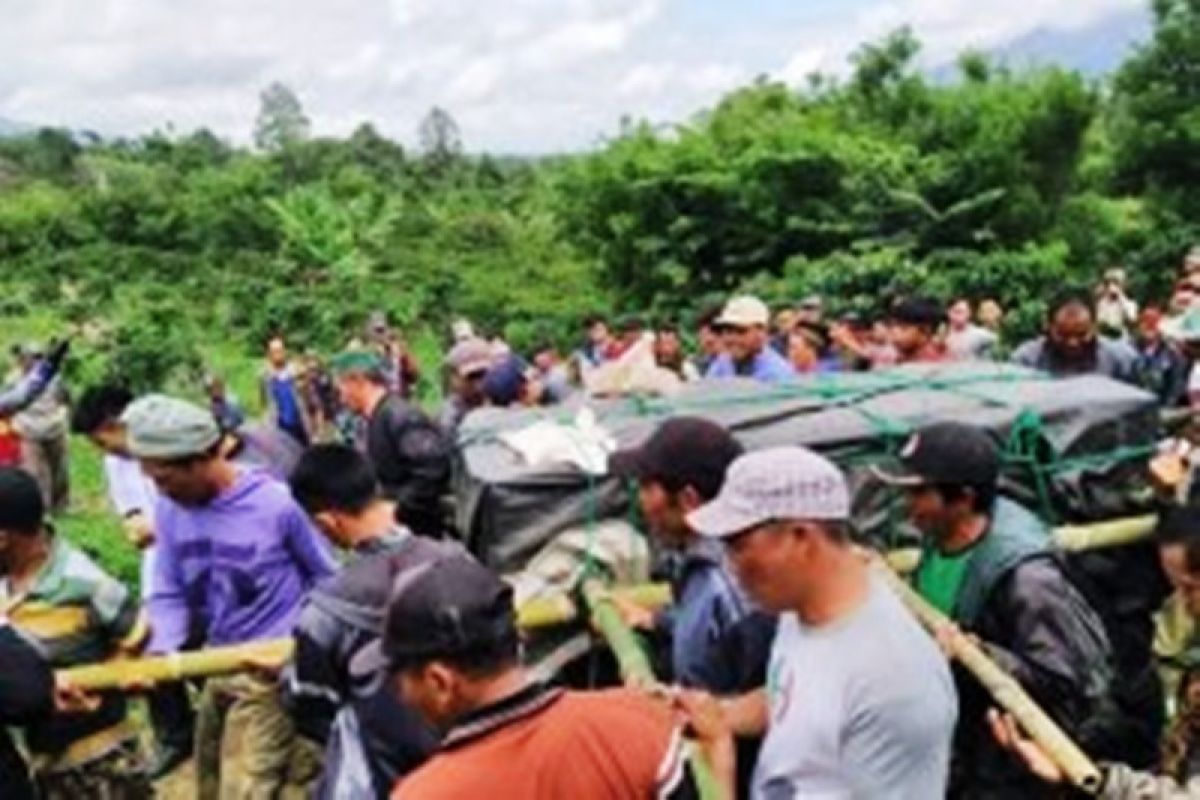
356	719
411	457
26	694
1016	597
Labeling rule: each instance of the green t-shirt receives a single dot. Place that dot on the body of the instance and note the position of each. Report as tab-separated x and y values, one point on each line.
940	575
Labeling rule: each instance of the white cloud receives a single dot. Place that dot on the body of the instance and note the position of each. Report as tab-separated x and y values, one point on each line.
519	75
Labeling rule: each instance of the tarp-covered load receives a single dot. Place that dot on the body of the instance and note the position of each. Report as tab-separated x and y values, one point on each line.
1075	449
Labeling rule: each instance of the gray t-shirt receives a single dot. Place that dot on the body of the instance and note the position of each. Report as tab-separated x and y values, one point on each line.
861	708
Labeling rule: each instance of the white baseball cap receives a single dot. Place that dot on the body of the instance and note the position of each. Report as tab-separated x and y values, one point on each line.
745	311
779	483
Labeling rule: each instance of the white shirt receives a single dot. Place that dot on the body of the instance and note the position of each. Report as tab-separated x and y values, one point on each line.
863	707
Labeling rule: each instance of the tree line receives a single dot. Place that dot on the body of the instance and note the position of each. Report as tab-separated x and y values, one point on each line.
1003	182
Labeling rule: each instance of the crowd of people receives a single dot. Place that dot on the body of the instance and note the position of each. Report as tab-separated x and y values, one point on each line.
792	665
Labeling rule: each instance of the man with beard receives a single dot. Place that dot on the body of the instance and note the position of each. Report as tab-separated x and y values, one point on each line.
1072	346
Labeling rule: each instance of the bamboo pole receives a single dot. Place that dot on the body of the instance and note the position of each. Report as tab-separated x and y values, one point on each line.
635	668
1068	538
1097	535
207	663
559	608
1003	688
548	611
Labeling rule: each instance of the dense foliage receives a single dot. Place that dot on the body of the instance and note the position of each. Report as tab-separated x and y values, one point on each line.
1002	183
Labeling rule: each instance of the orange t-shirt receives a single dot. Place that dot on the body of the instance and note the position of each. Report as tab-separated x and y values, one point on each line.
609	745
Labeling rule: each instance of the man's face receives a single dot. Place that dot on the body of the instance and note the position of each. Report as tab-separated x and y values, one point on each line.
710	341
664	513
801	352
330	523
110	437
469	386
667	346
928	511
990	314
744	343
959	315
599	333
1182	578
350	392
185	482
1148	332
768	562
785	321
1073	331
432	690
276	353
907	338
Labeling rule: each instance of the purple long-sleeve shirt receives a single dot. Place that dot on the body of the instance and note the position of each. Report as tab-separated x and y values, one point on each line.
236	569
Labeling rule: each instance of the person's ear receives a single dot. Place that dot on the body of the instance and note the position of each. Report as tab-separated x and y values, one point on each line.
327	521
689	499
441	679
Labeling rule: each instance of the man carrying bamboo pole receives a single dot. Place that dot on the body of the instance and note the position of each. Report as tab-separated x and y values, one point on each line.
371	739
132	496
858	701
717	640
987	563
451	644
77	614
236	556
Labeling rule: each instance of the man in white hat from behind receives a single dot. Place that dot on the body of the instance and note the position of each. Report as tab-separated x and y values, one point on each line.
744	325
859	702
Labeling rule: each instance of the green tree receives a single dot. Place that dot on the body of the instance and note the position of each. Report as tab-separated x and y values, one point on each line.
441	140
281	120
1156	128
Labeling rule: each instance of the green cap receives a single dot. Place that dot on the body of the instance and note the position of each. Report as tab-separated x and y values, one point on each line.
356	361
157	426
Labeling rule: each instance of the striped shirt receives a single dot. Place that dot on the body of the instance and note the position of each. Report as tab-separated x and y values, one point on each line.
76	614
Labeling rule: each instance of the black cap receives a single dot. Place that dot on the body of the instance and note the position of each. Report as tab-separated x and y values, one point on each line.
948	453
684	451
446	607
923	312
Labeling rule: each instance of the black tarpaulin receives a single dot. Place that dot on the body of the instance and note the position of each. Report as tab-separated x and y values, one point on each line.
1075	449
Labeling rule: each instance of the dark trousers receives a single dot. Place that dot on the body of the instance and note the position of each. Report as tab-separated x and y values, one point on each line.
172	716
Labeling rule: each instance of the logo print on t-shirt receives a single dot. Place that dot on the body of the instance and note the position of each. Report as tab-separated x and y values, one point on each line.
780	685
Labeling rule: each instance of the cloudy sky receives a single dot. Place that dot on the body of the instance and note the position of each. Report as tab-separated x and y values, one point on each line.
519	75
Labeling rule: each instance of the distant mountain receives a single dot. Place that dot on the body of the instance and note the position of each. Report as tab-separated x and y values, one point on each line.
1095	50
